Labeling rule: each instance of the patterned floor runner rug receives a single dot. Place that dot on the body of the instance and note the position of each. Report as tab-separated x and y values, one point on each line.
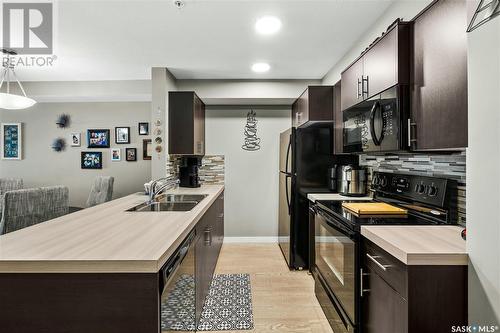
228	305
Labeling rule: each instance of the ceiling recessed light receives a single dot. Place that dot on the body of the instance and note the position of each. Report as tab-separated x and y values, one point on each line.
268	25
260	67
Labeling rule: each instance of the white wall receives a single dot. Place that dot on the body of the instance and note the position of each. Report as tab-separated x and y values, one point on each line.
406	10
42	166
251	178
89	91
247	92
483	167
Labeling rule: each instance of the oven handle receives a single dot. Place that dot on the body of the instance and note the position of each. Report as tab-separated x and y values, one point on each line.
373	112
337	225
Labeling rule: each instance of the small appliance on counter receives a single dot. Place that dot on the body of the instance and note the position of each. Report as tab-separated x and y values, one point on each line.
188	171
348	180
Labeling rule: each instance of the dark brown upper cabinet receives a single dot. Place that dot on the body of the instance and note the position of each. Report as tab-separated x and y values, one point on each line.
186	123
439	77
338	132
314	105
384	64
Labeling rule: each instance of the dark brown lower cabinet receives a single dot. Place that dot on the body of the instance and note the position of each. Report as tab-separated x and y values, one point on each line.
210	235
397	298
384	308
79	302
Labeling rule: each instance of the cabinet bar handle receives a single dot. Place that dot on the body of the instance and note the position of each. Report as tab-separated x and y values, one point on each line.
363	80
374	259
410	140
361	288
359	82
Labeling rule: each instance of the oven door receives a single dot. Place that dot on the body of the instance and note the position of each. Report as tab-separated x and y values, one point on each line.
336	253
374	125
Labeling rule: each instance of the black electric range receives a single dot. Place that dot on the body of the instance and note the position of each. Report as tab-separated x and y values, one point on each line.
337	236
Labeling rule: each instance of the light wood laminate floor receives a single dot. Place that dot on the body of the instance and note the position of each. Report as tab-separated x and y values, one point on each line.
283	300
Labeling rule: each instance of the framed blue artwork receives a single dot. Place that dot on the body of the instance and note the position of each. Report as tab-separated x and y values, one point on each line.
91	160
11	140
98	138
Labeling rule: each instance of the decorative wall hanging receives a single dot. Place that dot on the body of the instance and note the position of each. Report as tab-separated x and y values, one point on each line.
116	155
9	100
63	121
146	149
122	135
59	145
143	128
12	141
486	10
252	142
75	139
91	160
98	138
131	154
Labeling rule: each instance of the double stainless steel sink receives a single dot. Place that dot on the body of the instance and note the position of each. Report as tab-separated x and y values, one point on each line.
170	202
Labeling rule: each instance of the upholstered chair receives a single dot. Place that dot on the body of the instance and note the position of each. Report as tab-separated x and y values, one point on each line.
27	207
101	191
9	184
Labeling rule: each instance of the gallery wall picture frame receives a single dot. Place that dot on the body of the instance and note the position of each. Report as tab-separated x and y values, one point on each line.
98	138
122	135
75	139
11	141
143	128
91	160
147	149
116	154
131	154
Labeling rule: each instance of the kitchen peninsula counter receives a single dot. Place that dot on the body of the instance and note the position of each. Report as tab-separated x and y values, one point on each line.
104	239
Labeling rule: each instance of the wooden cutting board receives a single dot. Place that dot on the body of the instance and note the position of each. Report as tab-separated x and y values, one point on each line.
373	208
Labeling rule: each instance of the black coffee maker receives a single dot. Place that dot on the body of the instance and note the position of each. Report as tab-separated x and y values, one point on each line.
188	171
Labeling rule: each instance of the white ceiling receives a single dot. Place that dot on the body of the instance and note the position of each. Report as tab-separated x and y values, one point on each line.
122	40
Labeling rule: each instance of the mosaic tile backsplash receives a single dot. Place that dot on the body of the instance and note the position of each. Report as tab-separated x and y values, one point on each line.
437	165
211	171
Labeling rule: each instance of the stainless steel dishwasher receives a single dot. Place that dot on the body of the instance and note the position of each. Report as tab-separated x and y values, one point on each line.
178	292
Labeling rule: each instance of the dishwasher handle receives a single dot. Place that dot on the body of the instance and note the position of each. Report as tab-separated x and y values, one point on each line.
172	265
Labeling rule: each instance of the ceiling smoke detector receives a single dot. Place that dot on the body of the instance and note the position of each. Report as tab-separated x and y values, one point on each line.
179	4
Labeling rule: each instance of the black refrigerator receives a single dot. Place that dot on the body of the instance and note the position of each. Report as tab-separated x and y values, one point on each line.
305	156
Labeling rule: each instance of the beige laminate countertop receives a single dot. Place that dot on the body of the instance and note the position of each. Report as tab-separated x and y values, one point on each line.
420	245
104	238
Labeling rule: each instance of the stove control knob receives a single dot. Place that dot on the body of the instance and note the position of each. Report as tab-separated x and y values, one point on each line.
383	181
420	188
376	180
432	190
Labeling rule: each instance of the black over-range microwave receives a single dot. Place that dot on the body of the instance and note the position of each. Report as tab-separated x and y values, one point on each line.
378	124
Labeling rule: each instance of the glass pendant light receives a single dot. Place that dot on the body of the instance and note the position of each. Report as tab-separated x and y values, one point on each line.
486	10
9	100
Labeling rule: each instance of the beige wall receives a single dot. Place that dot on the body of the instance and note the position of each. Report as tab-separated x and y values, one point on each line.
41	166
162	81
251	179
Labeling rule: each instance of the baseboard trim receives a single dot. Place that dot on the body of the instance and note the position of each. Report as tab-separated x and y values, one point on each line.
270	239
